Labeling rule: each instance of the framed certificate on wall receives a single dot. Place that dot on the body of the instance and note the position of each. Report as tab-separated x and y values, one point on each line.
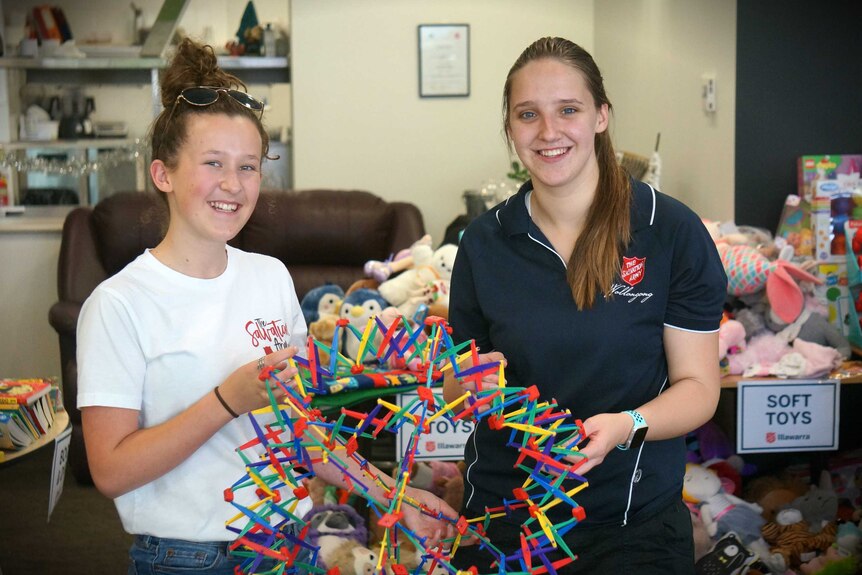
444	60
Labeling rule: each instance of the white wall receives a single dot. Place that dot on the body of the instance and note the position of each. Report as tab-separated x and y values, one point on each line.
358	120
28	344
653	54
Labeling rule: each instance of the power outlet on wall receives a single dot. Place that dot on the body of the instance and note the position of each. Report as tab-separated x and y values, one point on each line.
708	82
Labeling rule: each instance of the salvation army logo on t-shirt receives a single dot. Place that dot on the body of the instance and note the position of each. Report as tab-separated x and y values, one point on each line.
271	335
632	271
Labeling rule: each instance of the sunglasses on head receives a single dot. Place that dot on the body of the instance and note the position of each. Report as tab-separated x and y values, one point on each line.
202	96
206	96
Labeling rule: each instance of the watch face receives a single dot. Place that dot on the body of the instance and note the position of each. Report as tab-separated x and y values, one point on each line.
638	437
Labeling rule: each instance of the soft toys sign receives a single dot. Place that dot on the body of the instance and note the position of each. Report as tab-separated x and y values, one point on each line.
445	438
798	416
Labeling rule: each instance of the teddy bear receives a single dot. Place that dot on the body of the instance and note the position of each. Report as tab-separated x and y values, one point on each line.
773	493
404	259
426	282
723	512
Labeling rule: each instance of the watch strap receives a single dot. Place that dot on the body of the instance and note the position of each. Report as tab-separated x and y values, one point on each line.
638	422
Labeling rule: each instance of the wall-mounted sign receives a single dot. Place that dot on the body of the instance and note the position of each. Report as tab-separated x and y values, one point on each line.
787	415
444	60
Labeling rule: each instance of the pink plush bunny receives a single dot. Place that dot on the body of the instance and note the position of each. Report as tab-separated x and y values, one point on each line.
749	271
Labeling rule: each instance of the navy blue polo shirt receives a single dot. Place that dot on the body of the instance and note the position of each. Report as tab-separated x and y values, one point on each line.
510	293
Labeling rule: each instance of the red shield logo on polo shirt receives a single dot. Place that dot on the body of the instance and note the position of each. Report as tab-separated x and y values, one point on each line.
430	446
632	271
770	437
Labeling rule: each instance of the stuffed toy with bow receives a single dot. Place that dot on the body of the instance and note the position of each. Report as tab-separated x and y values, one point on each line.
403	260
426	282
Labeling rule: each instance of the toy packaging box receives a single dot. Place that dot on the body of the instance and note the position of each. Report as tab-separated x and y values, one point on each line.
812	169
834	293
795	226
834	204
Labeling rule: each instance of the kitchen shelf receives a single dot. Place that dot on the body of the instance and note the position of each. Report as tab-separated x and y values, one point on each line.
137	63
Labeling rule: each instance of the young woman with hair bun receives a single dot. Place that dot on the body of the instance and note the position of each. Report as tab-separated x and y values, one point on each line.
166	359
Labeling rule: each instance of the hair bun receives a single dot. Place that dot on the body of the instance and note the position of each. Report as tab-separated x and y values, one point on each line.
193	64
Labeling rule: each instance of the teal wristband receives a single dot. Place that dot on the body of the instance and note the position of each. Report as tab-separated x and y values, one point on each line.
638	433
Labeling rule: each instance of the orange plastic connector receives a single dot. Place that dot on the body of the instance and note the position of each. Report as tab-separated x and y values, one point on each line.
299	427
579	513
389	519
425	394
495	421
462	525
228	495
265	373
352	446
301	492
520	494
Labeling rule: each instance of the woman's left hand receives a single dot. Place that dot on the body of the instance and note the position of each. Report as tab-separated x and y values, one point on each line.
435	530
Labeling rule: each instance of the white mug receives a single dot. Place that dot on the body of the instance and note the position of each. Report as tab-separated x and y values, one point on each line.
28	48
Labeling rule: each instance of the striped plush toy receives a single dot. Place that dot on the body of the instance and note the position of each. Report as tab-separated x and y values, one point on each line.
749	271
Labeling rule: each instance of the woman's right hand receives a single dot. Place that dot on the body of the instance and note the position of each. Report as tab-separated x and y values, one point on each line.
245	391
490	381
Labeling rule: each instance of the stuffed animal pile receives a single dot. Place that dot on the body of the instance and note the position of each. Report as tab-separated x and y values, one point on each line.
414	284
780	526
775	325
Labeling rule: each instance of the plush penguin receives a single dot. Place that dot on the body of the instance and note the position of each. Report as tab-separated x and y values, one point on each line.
358	307
321	301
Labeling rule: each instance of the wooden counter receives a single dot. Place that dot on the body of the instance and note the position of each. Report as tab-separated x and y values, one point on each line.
849	372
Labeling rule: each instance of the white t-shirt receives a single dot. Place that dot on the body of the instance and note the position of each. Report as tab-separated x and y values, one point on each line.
155	340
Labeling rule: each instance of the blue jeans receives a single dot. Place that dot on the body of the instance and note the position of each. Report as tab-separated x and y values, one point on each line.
150	555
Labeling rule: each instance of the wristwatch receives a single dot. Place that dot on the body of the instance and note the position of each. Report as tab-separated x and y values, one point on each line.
637	434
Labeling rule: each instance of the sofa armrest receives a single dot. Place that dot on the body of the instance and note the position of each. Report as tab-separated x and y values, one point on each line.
63	317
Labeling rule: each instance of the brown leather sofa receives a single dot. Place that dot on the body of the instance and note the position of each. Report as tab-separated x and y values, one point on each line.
321	235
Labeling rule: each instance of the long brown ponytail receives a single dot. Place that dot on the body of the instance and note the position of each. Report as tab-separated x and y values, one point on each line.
595	262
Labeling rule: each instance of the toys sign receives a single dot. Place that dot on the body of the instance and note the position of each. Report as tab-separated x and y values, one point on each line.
445	439
801	415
